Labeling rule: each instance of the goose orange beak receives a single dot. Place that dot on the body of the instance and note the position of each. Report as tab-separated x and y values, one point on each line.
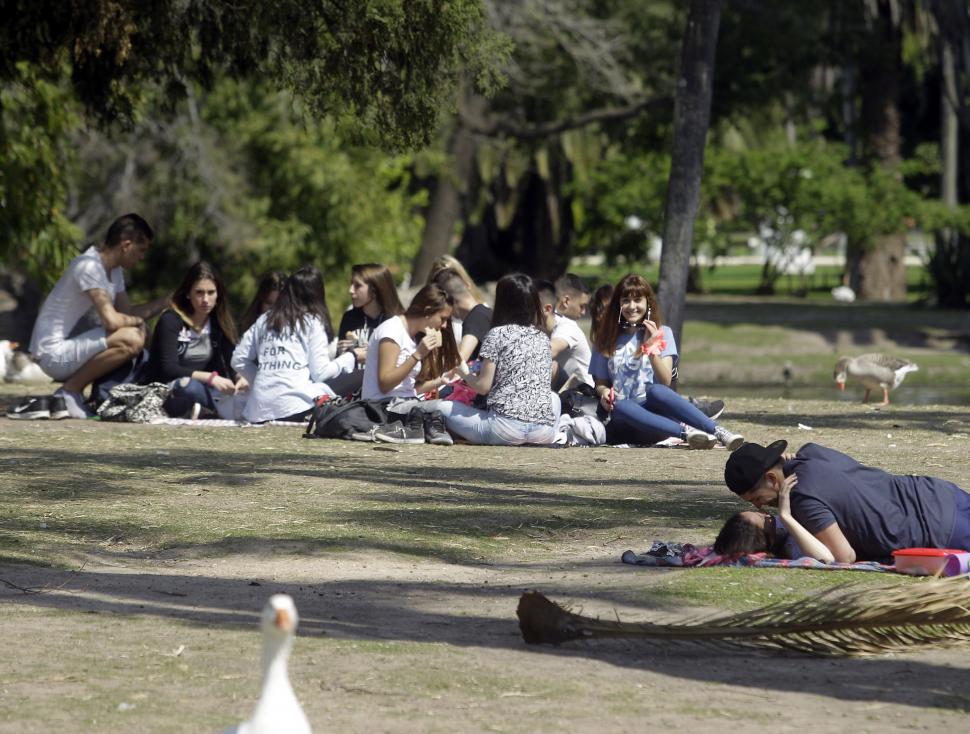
283	620
841	386
14	345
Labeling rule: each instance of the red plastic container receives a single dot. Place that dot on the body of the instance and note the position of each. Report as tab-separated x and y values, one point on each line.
931	561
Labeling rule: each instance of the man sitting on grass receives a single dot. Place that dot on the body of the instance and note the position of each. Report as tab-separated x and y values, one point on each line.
856	511
87	327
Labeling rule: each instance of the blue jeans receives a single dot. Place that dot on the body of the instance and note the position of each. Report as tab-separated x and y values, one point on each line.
185	393
658	417
493	429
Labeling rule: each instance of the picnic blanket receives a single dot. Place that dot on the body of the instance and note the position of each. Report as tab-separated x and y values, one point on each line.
221	423
685	555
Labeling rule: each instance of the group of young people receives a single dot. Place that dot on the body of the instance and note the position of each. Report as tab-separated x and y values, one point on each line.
491	373
452	365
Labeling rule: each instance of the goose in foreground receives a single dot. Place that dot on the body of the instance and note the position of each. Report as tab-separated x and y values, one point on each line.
277	711
874	371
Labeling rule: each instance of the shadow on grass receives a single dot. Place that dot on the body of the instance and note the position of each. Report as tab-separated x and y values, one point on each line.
398	611
380	506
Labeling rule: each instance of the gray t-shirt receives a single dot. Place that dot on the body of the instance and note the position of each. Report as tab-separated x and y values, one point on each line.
877	512
523	365
69	303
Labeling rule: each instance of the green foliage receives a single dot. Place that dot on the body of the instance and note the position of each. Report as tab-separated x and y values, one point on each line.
745	187
619	188
385	67
247	182
35	160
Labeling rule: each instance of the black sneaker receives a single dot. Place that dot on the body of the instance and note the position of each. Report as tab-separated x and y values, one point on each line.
711	408
435	431
397	432
58	408
34	409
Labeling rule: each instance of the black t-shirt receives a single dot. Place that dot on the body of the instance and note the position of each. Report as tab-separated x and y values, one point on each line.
360	324
877	512
476	324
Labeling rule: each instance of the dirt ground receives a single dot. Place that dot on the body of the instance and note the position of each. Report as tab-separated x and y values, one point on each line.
407	609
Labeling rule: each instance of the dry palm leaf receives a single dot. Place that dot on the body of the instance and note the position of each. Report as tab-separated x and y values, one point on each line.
842	621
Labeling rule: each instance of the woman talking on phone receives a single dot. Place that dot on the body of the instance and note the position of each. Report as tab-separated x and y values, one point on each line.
633	360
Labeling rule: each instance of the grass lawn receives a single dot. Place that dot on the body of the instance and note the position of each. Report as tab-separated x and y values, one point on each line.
134	561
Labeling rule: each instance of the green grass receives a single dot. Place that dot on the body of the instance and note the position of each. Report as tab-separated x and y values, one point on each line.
743	280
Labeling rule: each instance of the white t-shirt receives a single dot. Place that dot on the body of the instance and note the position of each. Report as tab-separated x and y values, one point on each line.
286	372
395	330
69	301
576	356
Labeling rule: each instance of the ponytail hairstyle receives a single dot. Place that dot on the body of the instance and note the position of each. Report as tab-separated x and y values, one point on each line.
450	262
303	296
269	283
182	303
608	330
426	302
517	302
381	285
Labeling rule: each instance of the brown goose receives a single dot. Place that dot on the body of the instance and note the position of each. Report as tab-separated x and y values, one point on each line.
873	371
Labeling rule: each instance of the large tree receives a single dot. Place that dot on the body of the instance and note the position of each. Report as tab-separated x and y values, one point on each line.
381	69
692	111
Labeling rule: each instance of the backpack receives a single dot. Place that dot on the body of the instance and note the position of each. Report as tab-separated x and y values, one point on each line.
340	418
580	401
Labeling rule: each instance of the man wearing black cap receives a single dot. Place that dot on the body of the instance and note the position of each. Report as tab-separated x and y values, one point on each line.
858	512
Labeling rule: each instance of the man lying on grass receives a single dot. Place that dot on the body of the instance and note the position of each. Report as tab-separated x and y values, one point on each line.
836	509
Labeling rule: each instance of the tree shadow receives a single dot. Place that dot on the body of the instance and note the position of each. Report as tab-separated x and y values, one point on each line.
411	611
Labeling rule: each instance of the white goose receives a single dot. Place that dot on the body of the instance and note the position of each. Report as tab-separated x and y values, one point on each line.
873	371
277	711
18	366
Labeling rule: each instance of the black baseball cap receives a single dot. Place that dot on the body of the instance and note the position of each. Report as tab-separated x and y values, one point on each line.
747	465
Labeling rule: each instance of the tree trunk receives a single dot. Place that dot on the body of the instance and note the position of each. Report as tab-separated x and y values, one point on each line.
445	210
692	112
879	273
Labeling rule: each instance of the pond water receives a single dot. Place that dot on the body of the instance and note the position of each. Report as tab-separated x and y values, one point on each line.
904	395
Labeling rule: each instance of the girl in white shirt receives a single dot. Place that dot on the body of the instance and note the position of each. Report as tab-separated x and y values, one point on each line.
285	356
409	354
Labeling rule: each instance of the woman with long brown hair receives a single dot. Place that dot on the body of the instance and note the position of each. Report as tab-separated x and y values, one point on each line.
516	366
409	354
633	362
373	300
285	356
193	342
267	292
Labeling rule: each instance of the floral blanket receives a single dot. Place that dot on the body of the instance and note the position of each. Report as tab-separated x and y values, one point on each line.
685	555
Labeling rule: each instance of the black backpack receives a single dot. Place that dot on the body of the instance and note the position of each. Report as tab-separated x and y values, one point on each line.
582	400
340	418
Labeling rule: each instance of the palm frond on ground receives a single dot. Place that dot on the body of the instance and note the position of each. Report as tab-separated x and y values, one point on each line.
842	621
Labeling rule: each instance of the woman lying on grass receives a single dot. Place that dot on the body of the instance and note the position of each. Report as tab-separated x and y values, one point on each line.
760	532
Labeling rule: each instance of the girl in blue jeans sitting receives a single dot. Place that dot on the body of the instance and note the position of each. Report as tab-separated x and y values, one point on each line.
193	342
632	364
515	374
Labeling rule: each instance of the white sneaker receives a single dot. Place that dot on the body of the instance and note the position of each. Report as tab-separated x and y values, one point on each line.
699	439
732	441
74	402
